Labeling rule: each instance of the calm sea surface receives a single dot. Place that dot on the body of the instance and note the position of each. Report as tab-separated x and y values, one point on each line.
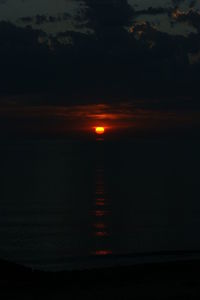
68	204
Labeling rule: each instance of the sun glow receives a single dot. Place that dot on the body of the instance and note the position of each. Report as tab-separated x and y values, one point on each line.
99	130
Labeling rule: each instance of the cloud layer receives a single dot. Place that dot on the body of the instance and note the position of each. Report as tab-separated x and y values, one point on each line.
117	56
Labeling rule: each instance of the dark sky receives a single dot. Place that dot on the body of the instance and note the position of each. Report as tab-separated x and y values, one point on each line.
96	47
67	52
15	10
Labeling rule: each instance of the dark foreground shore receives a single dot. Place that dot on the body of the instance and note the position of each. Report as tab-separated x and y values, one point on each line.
172	280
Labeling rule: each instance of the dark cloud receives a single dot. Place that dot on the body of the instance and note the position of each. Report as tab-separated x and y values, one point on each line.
191	17
153	11
120	59
26	19
43	19
115	13
192	3
178	2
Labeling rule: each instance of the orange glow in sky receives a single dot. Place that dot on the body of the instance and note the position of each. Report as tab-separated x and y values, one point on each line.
99	130
94	120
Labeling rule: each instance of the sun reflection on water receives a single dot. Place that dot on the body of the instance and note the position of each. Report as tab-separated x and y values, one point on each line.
101	213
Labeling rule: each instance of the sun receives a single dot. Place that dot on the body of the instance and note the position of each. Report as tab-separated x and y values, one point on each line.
99	130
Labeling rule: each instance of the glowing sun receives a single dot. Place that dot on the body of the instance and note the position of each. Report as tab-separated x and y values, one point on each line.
99	130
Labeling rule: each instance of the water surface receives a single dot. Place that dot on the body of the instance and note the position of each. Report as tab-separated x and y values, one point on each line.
68	204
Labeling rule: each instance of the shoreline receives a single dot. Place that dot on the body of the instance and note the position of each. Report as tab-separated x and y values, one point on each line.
168	280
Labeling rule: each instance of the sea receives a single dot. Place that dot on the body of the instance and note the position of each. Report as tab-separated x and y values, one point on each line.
77	204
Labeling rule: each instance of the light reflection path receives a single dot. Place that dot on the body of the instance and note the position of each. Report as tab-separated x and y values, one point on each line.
101	213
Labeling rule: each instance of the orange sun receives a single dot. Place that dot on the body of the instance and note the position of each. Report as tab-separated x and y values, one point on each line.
99	130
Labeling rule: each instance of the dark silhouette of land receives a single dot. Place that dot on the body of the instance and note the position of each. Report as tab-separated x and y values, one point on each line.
172	280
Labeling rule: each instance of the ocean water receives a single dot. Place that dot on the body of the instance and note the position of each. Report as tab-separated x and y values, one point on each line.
79	204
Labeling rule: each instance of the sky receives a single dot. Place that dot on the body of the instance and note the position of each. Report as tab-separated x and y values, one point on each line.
70	53
15	10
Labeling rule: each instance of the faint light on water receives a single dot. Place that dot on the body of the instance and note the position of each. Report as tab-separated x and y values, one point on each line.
101	233
101	212
100	226
100	203
103	252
